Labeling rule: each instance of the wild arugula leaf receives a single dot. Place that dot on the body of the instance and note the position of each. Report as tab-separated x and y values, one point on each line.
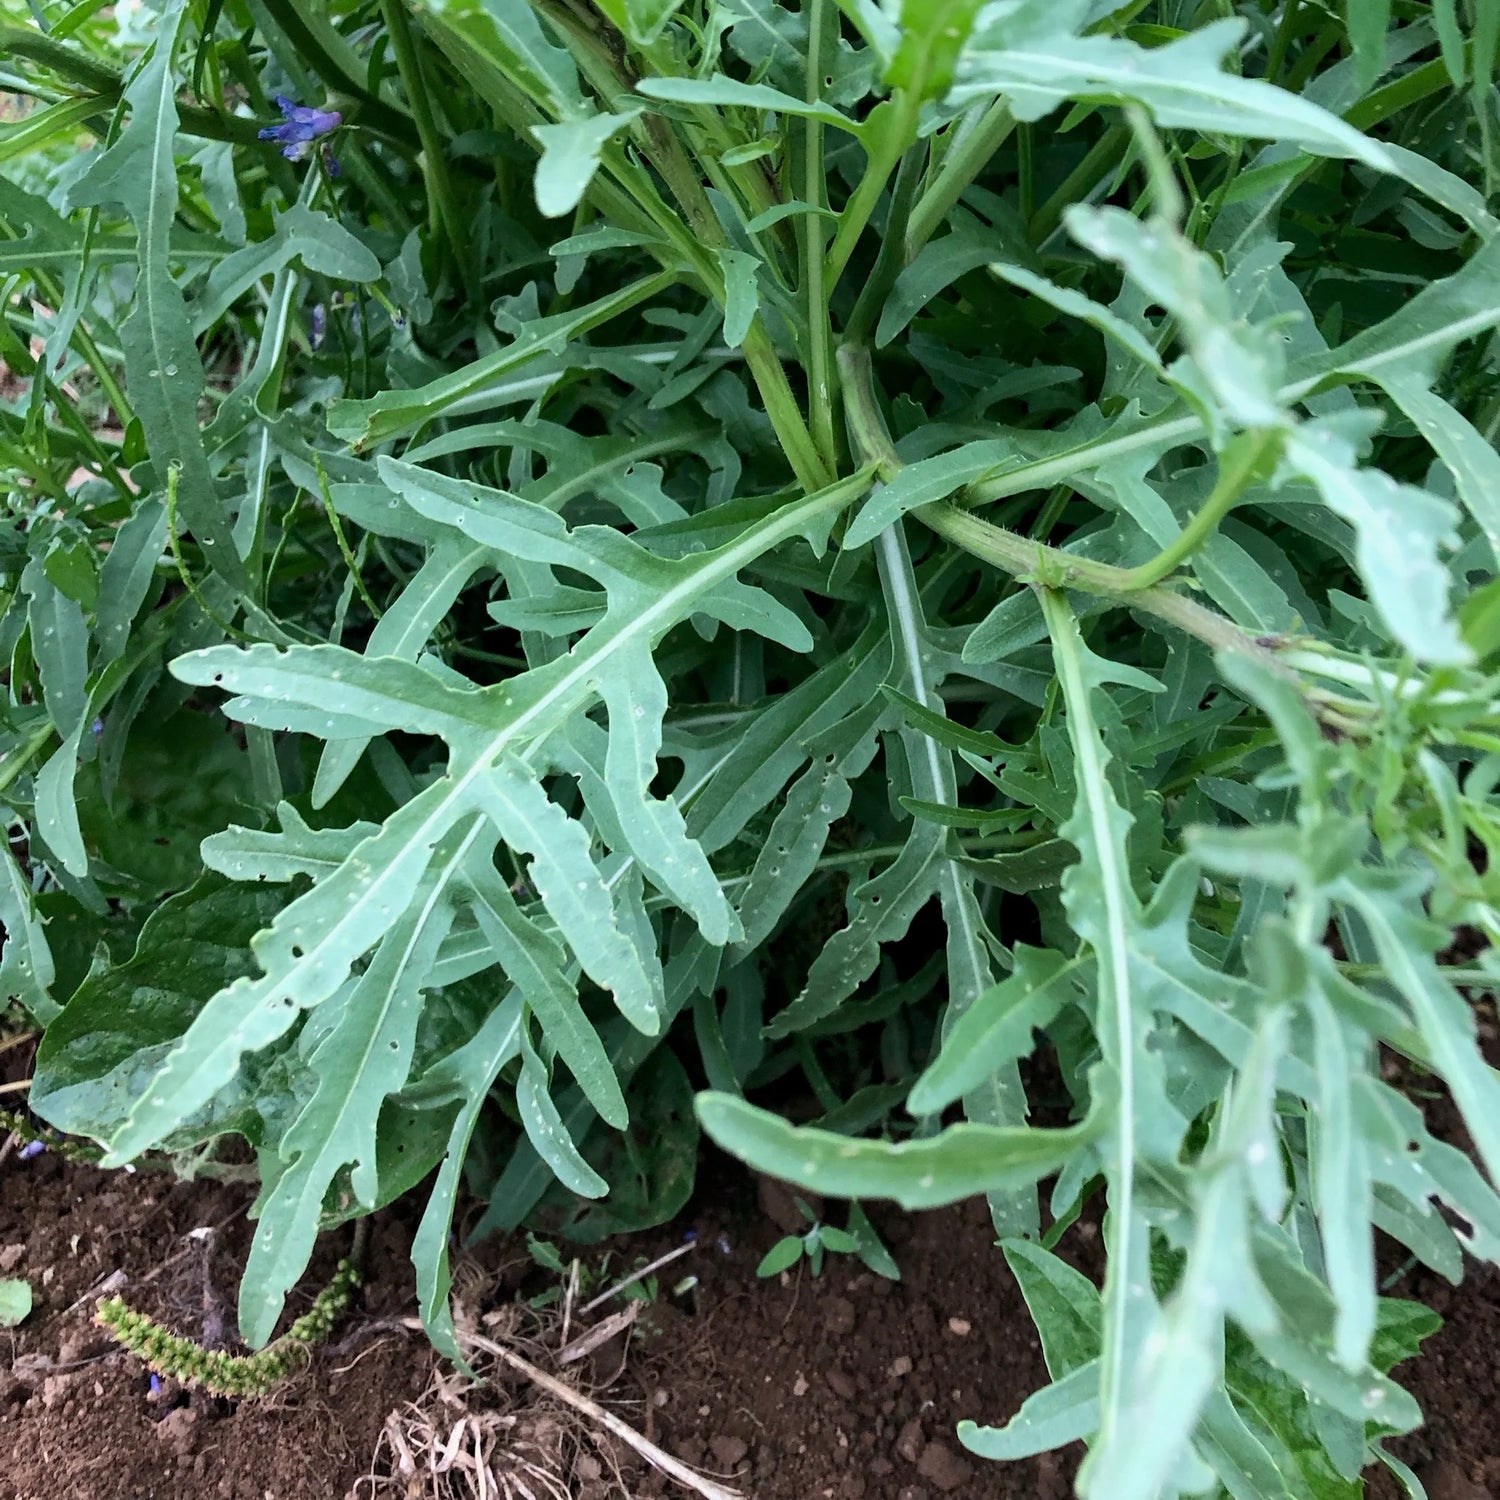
166	374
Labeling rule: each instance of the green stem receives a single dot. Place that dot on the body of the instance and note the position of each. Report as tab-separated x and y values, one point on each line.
677	169
813	470
1243	460
185	573
869	437
967	157
893	139
41	476
434	163
343	541
87	349
25	41
109	84
1051	512
812	238
109	466
812	1069
16	760
1103	156
108	385
1028	561
891	258
1276	62
1325	39
1023	559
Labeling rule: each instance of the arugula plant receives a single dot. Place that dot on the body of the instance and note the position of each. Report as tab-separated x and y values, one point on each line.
554	551
819	1239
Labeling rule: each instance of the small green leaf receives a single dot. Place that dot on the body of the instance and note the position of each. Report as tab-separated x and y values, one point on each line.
925	482
1064	1305
73	568
545	1128
933	33
1479	620
15	1301
300	233
161	357
1367	22
641	20
363	423
741	299
570	157
26	967
507	35
1400	530
782	1256
719	90
869	1246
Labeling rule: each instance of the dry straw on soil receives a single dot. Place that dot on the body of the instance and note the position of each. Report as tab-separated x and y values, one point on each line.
539	1422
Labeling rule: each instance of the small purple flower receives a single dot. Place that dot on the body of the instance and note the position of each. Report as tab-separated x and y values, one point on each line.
31	1149
319	325
690	1235
98	727
156	1385
301	127
331	163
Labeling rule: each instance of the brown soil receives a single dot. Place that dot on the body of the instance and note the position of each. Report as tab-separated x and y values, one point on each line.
848	1386
79	1419
844	1387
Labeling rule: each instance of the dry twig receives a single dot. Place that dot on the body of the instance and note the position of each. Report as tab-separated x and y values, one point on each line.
635	1276
565	1393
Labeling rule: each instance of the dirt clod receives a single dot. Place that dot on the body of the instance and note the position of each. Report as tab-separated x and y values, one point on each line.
178	1430
838	1315
1451	1481
909	1444
941	1466
728	1451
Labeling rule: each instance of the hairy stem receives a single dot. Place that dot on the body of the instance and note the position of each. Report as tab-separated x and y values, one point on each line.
1244	459
1020	557
1033	562
974	145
